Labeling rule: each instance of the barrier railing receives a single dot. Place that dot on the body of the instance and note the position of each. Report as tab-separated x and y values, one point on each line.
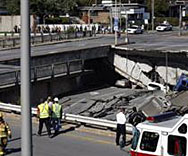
43	71
70	117
50	37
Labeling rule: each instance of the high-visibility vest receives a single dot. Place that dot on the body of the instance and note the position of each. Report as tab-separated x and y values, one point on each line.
4	129
56	110
44	110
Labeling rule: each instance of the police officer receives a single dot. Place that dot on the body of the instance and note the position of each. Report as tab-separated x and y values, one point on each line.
43	112
5	132
56	115
121	120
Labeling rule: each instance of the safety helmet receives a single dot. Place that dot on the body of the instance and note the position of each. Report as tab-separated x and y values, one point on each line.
56	99
1	115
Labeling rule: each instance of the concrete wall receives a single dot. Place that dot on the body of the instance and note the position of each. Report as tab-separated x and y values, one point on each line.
42	89
7	23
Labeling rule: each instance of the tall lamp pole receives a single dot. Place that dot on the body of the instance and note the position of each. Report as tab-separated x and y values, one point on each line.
116	21
180	19
153	11
26	128
126	36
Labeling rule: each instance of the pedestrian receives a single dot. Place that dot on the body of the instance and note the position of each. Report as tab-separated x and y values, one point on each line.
5	132
121	128
43	112
56	115
50	102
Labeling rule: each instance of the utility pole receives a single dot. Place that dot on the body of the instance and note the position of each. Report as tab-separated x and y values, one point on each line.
120	23
26	128
116	22
180	19
153	13
126	36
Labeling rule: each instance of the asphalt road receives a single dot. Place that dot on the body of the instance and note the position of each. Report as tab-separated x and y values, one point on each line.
71	142
149	41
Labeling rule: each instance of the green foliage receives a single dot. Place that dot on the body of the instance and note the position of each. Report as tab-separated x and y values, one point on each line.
13	6
70	30
42	7
161	7
57	20
172	20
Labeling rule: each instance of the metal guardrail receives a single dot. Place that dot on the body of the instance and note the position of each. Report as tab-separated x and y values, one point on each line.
50	37
42	71
71	117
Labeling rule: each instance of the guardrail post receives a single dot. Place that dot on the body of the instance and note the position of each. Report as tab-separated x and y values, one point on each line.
35	73
4	43
68	68
51	39
52	68
82	65
42	37
14	42
16	78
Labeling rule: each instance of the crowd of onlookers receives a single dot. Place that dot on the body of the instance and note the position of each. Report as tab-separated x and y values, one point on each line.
63	28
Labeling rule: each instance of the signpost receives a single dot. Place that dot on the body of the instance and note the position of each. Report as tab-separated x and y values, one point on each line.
180	3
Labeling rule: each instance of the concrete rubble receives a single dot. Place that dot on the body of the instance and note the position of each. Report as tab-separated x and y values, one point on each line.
105	103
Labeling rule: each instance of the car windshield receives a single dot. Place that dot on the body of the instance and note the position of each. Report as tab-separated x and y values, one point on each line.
134	27
164	25
136	136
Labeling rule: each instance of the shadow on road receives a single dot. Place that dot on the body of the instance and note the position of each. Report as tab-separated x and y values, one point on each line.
12	150
72	128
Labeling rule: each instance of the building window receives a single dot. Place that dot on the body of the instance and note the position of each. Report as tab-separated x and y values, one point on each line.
94	13
182	129
177	145
149	141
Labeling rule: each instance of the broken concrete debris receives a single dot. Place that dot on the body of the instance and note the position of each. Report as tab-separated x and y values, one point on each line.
105	103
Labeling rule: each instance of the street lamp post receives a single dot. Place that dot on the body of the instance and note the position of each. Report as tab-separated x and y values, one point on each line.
26	130
153	13
89	15
126	36
180	19
116	21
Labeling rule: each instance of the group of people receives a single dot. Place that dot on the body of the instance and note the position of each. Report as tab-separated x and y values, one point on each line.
50	114
134	118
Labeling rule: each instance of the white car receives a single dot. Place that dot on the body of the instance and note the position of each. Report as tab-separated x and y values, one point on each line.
134	29
164	27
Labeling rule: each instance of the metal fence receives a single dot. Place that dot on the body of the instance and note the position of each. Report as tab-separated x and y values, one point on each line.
43	71
36	39
70	117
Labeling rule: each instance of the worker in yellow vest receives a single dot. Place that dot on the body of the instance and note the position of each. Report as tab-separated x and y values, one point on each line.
43	113
56	115
5	132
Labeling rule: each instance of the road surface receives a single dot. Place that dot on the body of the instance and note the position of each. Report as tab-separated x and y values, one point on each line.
70	142
150	41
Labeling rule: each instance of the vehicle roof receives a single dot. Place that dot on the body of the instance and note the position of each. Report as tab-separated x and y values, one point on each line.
166	125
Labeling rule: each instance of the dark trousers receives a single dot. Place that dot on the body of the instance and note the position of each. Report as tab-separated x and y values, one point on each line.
56	124
120	131
47	124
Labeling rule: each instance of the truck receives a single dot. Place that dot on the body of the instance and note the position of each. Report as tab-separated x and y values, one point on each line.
161	135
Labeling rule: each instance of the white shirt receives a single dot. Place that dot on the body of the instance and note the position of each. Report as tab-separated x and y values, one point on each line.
120	118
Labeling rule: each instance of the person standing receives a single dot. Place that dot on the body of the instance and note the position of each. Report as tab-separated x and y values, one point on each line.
43	112
56	115
5	132
121	128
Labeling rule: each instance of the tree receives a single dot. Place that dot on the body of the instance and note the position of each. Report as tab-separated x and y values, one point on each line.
161	7
12	6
